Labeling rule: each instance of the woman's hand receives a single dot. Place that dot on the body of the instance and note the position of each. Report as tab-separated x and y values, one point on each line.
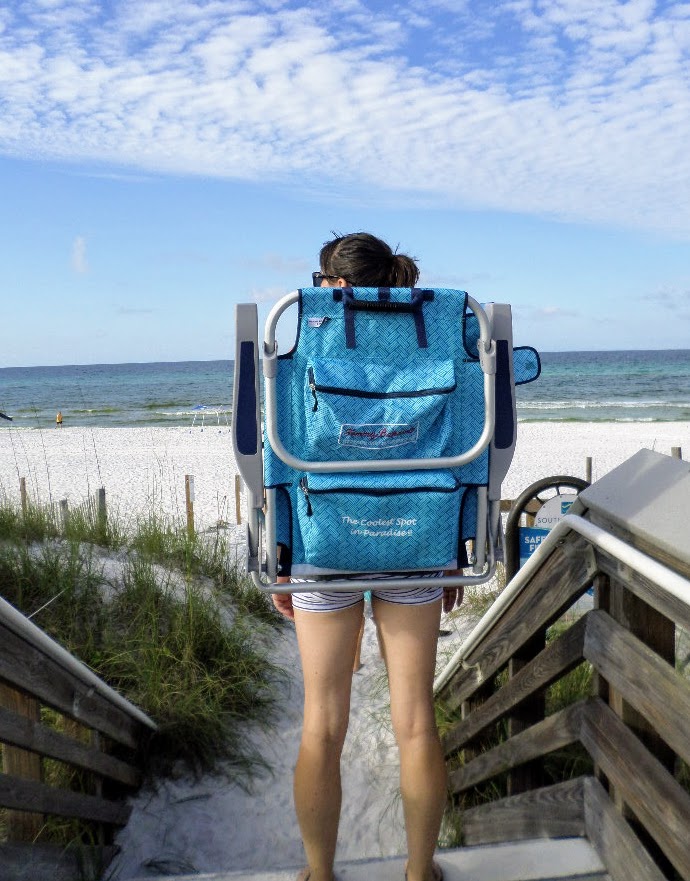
452	596
283	601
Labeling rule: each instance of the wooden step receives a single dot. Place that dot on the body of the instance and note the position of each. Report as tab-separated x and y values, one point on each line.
573	859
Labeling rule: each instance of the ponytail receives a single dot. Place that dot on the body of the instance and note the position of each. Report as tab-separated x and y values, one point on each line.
404	272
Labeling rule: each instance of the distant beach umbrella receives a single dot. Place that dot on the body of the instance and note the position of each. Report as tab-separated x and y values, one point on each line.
202	410
4	416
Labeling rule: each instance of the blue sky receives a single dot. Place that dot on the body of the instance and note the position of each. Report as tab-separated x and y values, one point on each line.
161	161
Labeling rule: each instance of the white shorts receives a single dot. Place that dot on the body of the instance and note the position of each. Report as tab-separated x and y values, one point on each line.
334	601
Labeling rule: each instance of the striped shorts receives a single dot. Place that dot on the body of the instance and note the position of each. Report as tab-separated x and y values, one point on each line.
334	601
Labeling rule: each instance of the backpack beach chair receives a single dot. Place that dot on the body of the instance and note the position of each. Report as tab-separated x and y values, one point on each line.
387	432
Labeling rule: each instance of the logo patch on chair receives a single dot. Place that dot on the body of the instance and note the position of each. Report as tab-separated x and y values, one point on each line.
378	435
318	322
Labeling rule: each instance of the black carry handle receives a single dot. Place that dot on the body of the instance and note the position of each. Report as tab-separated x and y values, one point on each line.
383	304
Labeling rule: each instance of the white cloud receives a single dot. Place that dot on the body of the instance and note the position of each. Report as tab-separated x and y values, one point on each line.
267	295
549	313
575	109
672	298
134	310
79	262
280	264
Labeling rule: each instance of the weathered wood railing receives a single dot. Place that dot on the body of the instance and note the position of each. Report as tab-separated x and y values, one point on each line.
629	541
80	766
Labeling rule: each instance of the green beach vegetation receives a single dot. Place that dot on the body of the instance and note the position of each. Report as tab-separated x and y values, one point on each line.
160	614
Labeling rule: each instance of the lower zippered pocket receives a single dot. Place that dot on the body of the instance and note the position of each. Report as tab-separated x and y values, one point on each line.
379	522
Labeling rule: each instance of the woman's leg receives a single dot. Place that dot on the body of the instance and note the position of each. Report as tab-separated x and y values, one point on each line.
327	643
408	636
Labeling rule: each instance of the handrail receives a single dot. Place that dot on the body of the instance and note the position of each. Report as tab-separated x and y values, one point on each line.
669	581
33	634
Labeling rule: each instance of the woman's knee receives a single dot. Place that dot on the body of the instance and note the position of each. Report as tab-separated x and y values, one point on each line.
325	735
326	716
414	723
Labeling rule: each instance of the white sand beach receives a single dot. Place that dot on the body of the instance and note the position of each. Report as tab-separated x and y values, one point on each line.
143	469
210	825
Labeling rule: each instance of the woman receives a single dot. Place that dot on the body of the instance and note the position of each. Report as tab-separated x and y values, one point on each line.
328	626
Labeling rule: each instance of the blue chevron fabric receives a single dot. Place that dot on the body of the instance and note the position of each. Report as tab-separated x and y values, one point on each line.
404	520
378	383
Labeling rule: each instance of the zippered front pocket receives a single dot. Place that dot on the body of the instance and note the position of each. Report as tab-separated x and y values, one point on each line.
383	522
358	411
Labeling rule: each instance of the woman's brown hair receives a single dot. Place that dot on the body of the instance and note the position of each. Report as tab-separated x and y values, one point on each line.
366	261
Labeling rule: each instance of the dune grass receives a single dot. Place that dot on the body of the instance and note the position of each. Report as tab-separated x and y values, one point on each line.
167	620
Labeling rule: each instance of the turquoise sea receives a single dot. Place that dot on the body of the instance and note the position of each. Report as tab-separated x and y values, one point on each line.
650	386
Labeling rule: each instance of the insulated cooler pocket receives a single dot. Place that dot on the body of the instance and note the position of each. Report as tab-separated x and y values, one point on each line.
357	411
397	521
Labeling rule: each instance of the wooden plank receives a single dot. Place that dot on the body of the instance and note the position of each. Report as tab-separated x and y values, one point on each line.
590	876
469	707
557	659
550	812
562	579
645	681
619	848
602	599
45	862
28	669
527	713
555	732
24	795
33	736
532	507
649	790
658	632
21	825
670	606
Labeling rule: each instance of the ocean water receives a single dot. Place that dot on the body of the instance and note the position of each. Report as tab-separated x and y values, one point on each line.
634	386
649	386
110	395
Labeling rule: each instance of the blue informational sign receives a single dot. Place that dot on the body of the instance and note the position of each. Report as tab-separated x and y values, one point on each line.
530	539
550	513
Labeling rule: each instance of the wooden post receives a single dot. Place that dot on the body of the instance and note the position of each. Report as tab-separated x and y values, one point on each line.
588	469
22	493
658	633
238	507
102	511
189	500
22	826
97	782
531	774
64	512
676	452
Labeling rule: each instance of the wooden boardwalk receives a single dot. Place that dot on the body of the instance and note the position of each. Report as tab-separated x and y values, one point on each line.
541	860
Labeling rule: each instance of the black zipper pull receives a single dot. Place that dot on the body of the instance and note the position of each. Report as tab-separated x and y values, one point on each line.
305	489
312	386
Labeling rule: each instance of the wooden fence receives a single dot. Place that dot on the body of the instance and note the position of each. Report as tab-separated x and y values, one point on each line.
93	510
511	755
69	747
